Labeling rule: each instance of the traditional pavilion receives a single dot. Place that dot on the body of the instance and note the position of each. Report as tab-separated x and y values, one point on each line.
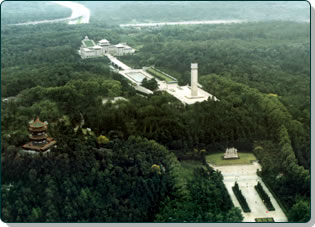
39	139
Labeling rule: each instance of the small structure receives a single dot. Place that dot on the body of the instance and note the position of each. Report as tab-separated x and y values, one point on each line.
39	139
114	100
231	153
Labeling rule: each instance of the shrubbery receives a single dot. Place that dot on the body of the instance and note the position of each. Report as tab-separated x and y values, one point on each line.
241	199
264	197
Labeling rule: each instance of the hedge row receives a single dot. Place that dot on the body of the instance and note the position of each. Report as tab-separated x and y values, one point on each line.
263	178
241	199
264	197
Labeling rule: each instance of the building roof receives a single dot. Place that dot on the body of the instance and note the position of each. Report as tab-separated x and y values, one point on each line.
104	44
44	147
87	50
97	47
88	43
103	41
126	46
37	123
231	149
120	45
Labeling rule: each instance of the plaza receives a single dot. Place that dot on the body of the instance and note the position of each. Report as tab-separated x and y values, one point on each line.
247	178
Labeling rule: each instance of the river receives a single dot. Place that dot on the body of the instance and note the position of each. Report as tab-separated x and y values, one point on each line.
80	14
183	23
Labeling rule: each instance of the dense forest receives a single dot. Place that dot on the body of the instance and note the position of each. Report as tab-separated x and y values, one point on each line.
128	167
127	12
111	13
13	12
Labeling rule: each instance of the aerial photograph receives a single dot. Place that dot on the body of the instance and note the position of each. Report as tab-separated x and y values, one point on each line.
155	111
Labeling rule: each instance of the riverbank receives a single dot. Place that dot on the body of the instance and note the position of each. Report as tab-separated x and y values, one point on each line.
183	23
80	15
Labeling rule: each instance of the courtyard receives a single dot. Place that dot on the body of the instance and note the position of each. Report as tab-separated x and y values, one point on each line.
246	177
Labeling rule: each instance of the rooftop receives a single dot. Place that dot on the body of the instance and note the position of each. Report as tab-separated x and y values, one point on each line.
30	146
37	123
97	47
128	47
120	45
87	49
88	43
103	41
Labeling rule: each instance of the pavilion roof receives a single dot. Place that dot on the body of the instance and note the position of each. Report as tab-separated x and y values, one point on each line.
120	45
37	123
103	41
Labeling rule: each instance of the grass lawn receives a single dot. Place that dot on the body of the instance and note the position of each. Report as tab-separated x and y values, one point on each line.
217	159
159	75
188	168
88	43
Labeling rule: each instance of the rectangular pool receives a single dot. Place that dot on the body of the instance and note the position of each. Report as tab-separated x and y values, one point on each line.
136	76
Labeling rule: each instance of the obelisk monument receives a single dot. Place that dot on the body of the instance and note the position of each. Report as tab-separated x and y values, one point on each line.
194	79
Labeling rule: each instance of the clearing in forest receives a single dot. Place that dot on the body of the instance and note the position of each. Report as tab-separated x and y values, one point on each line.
247	178
217	159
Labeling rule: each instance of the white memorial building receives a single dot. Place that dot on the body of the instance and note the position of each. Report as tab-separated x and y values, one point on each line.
89	49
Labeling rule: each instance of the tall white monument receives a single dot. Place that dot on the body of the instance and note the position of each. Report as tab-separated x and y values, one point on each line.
194	79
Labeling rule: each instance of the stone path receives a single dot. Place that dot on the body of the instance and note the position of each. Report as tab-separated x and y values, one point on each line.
246	177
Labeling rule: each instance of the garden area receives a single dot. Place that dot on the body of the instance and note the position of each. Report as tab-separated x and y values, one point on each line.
88	43
160	75
217	159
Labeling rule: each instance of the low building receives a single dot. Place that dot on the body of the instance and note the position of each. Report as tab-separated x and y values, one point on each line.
90	50
123	49
112	50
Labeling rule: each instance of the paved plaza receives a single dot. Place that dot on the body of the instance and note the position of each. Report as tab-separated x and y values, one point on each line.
246	177
182	93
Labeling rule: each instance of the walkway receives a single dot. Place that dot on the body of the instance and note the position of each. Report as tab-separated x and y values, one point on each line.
246	177
118	63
